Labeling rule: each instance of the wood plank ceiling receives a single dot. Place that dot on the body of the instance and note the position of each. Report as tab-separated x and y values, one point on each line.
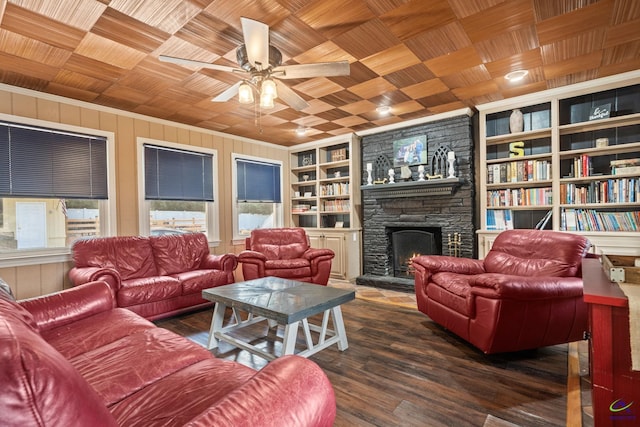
418	57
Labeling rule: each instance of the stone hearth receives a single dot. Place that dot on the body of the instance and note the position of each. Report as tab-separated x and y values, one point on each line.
444	204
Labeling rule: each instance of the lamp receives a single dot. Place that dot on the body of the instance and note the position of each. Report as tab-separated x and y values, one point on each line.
245	94
266	100
269	86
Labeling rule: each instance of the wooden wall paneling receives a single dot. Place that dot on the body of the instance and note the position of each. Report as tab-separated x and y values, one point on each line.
156	131
28	281
69	114
5	102
9	275
170	133
90	118
126	177
48	110
52	277
23	105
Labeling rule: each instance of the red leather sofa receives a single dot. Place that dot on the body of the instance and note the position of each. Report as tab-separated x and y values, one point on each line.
74	359
525	294
156	276
285	252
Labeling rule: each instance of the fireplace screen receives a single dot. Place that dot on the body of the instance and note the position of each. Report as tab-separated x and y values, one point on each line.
405	244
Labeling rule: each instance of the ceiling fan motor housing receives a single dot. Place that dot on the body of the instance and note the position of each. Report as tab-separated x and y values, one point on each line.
275	58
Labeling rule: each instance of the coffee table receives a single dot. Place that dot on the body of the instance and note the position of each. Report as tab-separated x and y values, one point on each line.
279	301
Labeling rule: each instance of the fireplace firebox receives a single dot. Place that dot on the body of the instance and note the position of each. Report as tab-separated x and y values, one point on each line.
407	243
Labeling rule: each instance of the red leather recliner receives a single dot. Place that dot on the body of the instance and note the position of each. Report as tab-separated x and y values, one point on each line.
284	252
525	294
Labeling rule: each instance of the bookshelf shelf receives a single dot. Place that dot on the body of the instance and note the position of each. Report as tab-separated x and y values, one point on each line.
592	166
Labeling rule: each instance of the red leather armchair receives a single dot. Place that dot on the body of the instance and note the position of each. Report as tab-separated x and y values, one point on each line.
525	294
284	252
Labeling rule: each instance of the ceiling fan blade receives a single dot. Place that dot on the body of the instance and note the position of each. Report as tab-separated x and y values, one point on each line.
183	61
228	94
289	97
256	41
321	69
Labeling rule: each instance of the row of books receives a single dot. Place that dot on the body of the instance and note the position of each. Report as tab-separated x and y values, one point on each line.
301	208
619	190
335	189
581	166
520	197
592	220
499	219
336	205
519	171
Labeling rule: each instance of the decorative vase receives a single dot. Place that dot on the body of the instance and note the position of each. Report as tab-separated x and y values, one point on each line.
516	121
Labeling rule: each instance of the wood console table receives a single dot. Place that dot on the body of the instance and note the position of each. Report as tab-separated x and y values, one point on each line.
616	388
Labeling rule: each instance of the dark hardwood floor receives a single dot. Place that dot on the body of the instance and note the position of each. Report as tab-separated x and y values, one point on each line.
401	369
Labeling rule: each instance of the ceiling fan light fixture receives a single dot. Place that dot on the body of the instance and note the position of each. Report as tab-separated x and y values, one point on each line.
516	76
245	94
269	87
266	100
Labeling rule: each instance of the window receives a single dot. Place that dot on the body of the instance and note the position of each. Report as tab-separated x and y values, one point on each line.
178	188
54	187
258	194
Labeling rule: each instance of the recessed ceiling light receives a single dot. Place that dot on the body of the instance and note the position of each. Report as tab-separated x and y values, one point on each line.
301	131
516	76
383	109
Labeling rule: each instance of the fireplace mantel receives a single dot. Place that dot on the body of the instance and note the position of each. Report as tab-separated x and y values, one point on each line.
432	187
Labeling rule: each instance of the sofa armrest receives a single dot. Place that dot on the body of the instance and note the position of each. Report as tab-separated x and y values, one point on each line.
224	262
290	391
313	253
439	263
80	275
495	285
252	257
70	305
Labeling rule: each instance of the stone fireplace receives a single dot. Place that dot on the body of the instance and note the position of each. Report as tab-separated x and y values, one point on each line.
423	217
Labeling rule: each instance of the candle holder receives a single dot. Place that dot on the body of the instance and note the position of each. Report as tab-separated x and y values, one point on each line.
369	179
421	173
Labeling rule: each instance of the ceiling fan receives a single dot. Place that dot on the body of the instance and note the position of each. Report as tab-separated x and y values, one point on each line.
262	65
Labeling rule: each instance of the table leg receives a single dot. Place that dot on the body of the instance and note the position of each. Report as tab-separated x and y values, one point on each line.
290	335
216	324
339	325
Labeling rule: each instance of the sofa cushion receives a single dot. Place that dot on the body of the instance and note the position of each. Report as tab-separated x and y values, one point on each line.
281	243
175	253
95	331
536	253
148	289
131	256
39	386
201	385
452	290
194	282
125	366
300	267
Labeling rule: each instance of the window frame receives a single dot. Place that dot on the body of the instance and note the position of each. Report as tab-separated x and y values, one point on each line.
108	207
279	210
213	208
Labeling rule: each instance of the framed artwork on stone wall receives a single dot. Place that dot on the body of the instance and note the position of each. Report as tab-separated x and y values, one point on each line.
410	151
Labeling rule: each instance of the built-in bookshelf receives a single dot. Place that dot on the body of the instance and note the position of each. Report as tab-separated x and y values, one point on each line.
573	166
325	182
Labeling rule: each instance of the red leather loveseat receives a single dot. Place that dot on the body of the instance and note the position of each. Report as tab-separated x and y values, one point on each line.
156	276
525	294
285	252
74	359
